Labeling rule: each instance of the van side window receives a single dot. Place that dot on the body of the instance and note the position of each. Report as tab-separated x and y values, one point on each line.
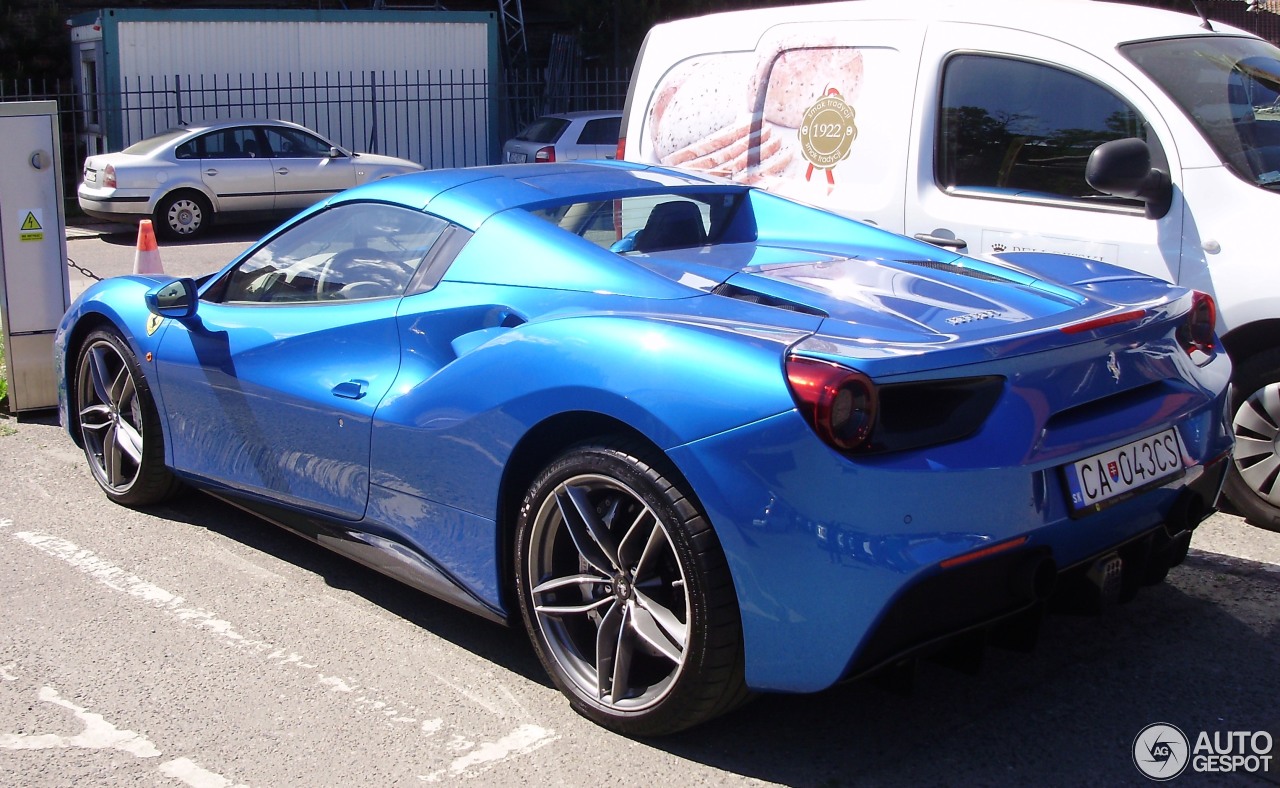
1019	128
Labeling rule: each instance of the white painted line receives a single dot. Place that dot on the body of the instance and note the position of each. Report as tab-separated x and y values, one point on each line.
481	757
98	734
522	740
195	775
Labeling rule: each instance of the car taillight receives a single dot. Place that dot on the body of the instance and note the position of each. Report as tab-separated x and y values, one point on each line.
109	177
547	154
620	154
1197	334
839	403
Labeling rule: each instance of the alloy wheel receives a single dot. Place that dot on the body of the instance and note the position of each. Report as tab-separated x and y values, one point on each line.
608	592
110	414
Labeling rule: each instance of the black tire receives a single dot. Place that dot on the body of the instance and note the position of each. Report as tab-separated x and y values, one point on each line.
634	557
184	215
118	423
1253	480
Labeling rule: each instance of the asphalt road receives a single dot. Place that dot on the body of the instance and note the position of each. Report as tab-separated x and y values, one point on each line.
194	645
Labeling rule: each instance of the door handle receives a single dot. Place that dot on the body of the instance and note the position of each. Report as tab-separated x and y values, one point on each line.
351	389
938	240
282	171
211	171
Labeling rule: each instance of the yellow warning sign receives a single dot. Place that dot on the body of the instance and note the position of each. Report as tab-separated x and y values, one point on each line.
31	228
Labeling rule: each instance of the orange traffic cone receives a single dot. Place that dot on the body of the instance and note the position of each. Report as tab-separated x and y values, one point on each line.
146	260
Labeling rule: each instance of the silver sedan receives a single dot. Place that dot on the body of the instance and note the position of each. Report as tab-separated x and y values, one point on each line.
184	177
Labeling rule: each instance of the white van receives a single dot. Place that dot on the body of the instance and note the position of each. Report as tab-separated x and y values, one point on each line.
1145	138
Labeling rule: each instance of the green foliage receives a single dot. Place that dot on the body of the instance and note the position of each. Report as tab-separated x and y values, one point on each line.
34	43
4	381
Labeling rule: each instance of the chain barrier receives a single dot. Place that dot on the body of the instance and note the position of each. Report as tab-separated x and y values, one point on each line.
85	271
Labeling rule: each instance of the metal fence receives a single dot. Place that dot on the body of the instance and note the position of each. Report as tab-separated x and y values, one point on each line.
437	118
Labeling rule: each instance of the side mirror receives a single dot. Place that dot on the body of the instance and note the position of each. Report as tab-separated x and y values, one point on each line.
625	244
334	152
175	299
1123	168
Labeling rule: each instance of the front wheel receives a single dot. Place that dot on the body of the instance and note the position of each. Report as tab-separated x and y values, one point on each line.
118	422
1253	481
626	593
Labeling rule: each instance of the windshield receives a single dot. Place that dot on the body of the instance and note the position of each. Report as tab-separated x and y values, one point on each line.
1230	87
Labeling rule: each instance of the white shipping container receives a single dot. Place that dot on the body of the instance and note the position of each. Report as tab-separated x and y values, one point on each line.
415	84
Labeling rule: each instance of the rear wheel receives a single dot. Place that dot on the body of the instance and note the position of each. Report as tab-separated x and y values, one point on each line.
626	593
118	422
1253	482
183	215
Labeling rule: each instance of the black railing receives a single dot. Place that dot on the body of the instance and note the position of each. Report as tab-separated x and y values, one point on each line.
437	118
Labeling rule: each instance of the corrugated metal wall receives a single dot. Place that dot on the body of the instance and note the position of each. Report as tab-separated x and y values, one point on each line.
420	90
278	47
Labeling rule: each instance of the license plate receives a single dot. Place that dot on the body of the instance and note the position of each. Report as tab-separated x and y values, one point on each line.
1103	479
90	176
516	158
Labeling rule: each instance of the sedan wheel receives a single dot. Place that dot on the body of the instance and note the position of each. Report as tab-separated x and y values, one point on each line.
635	624
119	427
183	216
1253	483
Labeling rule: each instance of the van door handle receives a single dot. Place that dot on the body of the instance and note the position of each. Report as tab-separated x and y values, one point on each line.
937	240
351	389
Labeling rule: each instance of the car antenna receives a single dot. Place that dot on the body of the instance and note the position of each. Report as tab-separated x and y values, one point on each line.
1204	18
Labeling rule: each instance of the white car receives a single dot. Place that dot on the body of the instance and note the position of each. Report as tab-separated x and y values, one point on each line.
565	137
184	177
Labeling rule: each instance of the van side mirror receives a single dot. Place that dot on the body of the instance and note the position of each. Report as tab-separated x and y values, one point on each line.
175	299
1123	168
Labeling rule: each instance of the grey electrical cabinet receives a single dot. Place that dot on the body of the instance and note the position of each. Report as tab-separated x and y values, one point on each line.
34	292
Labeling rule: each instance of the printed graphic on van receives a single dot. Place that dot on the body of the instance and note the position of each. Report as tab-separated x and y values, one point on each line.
793	123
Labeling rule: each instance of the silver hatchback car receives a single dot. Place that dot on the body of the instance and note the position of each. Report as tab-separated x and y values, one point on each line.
184	177
565	137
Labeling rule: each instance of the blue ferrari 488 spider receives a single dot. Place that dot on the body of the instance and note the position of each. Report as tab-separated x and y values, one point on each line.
704	441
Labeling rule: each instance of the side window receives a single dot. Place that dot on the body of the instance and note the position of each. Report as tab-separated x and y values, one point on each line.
602	131
225	144
292	144
1014	127
352	251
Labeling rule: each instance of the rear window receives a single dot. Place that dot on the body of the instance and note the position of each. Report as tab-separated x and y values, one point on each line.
155	143
651	223
543	130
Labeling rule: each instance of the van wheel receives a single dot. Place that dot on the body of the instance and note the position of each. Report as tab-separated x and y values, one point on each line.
626	593
1253	481
183	216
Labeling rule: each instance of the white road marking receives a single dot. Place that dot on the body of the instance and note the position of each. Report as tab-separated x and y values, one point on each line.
482	757
195	775
522	740
98	734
